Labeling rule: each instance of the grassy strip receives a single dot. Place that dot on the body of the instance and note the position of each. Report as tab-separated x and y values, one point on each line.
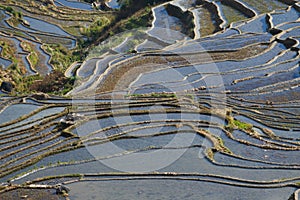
33	59
242	125
236	124
61	57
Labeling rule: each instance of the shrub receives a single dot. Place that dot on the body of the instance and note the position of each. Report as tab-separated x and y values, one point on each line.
9	9
51	83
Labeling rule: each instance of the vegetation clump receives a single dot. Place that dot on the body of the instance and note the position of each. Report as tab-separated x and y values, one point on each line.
94	30
242	125
237	124
16	14
61	57
54	82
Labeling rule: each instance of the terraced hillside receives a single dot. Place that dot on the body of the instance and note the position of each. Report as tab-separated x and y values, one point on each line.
203	103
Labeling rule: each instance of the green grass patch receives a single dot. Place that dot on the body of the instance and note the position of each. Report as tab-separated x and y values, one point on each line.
242	125
95	29
61	57
236	124
33	58
8	50
142	20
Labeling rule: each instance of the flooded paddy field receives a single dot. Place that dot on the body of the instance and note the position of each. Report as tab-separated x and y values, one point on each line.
166	112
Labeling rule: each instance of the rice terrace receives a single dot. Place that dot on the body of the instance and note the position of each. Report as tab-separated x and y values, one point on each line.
149	99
